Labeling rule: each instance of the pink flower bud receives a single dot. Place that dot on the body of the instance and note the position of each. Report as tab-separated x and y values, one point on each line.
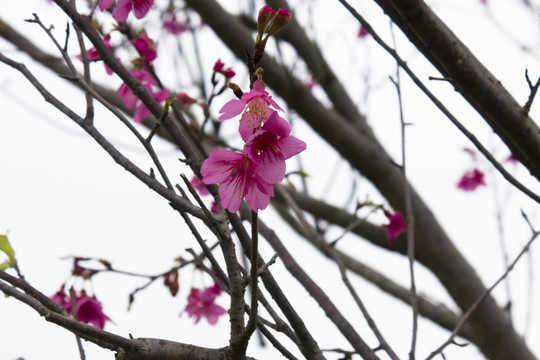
265	15
185	100
281	19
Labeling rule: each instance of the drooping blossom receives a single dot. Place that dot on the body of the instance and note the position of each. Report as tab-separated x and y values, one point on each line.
471	180
362	33
131	101
255	109
124	7
93	54
173	25
89	309
62	299
396	225
270	146
202	304
238	179
145	47
219	67
170	280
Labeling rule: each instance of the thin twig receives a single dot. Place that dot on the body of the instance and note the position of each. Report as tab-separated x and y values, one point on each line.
338	261
475	305
409	216
534	90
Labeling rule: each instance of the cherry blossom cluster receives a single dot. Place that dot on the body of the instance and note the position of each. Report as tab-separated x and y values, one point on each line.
250	174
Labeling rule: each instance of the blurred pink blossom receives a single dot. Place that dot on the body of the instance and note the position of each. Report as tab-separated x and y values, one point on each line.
145	47
396	225
89	309
131	101
202	304
219	67
471	180
93	54
124	7
173	25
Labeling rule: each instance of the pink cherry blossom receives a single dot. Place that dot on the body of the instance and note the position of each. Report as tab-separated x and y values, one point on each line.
471	180
124	7
237	177
271	146
89	310
219	67
255	106
174	26
202	304
131	101
145	47
93	54
396	225
62	299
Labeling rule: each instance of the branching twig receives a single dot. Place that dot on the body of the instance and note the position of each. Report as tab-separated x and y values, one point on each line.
534	90
383	344
473	307
409	216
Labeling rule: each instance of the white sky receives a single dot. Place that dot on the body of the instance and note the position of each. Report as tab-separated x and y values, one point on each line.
61	195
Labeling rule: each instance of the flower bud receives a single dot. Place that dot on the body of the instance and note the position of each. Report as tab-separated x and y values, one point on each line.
265	15
281	19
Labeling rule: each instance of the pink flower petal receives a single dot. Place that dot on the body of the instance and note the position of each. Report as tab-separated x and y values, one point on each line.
231	109
291	146
277	125
105	4
121	10
141	7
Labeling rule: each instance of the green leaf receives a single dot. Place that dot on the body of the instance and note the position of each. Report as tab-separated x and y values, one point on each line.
6	248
